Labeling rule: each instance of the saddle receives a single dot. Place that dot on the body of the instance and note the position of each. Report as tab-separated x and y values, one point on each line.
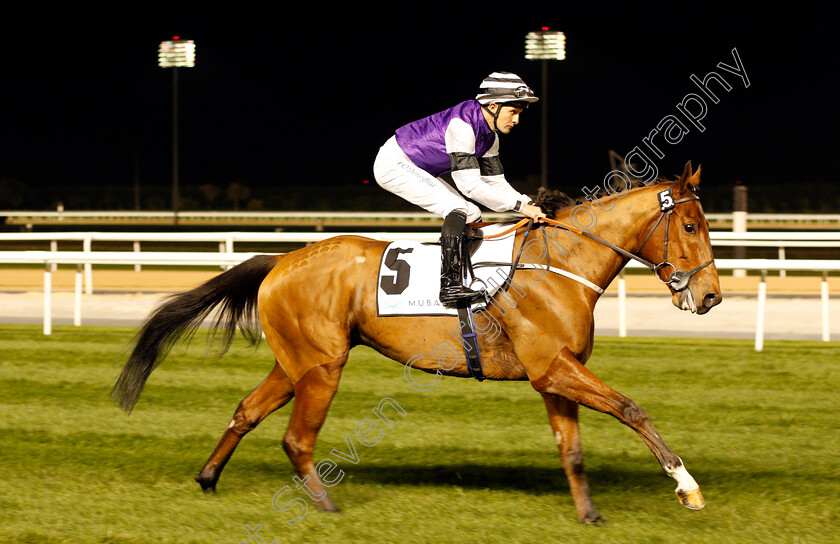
408	282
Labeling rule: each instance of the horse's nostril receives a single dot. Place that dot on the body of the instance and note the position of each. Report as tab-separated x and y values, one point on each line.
711	299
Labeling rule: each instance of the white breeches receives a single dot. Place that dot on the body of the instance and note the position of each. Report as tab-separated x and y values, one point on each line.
395	172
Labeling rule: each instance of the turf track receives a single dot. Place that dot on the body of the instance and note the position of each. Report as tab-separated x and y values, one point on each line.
469	462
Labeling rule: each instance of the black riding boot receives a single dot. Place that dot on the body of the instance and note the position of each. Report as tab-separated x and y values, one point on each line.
453	267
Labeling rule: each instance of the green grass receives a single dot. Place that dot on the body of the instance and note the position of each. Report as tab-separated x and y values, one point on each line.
470	462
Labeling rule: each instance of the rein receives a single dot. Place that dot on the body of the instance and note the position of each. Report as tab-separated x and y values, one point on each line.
510	229
677	280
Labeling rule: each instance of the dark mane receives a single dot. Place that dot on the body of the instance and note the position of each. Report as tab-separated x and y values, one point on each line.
552	202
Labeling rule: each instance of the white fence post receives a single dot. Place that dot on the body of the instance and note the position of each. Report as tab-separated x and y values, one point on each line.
228	248
77	298
54	248
824	300
136	247
86	244
759	321
47	300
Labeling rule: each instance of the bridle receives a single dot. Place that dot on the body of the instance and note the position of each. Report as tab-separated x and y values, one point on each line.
678	279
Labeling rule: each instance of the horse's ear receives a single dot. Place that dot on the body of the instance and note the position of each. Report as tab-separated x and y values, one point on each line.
694	180
686	171
689	178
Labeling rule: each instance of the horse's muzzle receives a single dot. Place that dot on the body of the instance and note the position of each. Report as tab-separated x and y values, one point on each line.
685	300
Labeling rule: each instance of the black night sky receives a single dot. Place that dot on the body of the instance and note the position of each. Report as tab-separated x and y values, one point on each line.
305	100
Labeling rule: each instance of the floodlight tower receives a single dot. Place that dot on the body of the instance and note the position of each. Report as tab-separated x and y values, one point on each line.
545	45
176	53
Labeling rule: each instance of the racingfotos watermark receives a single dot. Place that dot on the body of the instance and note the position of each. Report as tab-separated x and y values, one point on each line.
451	353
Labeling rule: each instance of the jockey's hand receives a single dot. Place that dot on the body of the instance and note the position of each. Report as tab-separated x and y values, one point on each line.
532	212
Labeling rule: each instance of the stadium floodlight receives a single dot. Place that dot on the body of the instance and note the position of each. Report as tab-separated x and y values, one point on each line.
176	53
545	45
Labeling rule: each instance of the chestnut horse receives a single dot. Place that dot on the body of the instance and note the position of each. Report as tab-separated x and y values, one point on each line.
314	304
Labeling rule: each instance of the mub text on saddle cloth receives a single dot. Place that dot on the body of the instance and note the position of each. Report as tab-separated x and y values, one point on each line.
409	274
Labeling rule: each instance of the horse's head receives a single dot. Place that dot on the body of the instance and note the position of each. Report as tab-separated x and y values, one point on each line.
679	241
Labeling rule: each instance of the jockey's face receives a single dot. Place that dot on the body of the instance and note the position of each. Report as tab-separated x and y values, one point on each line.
507	119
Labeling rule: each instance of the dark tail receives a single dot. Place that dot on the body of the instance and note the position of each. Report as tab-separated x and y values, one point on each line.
234	292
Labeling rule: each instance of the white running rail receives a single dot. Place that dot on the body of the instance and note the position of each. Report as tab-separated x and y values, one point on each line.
181	259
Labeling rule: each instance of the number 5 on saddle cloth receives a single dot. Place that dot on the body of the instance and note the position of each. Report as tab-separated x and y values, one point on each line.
409	282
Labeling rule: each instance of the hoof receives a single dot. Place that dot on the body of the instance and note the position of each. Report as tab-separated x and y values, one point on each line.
693	500
326	505
209	487
594	520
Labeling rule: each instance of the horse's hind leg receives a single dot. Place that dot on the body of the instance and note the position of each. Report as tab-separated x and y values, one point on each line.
563	417
567	377
274	392
313	394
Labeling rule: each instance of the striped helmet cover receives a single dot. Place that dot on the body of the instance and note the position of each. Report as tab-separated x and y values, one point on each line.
501	87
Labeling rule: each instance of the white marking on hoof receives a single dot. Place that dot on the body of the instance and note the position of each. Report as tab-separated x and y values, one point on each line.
688	492
685	482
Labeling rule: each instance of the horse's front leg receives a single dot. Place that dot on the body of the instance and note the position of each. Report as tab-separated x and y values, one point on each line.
569	378
563	417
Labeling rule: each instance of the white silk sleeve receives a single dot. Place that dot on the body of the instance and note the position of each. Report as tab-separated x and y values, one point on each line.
492	191
493	174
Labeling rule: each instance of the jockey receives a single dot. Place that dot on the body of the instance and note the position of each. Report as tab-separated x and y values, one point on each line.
463	141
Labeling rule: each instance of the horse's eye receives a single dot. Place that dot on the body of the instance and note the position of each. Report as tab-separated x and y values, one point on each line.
690	228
